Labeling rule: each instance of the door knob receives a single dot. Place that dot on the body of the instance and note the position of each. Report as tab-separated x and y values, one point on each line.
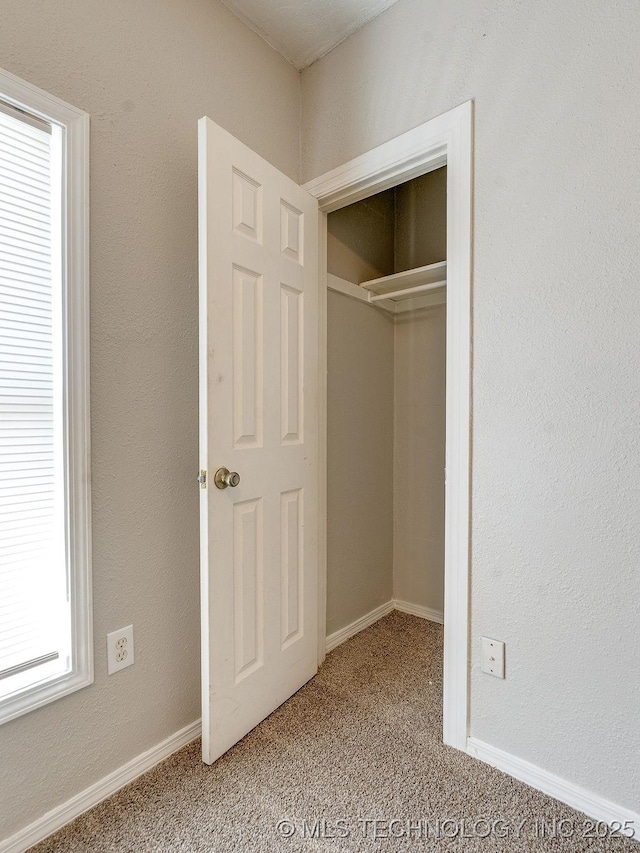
223	478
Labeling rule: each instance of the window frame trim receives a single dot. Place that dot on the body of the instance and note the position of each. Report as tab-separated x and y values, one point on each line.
75	337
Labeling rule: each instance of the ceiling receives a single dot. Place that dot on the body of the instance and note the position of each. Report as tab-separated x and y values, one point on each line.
304	30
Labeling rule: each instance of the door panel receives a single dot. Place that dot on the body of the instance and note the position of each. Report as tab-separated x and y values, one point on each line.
259	417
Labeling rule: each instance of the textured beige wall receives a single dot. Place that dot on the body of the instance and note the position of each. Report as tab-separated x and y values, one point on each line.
145	71
360	239
360	459
556	365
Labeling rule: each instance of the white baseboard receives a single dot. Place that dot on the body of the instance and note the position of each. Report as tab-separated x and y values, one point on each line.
578	798
418	610
572	795
339	637
55	819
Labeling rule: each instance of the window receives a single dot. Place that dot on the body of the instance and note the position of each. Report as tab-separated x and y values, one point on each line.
45	604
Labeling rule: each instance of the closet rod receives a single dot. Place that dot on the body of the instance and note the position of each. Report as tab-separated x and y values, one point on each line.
407	291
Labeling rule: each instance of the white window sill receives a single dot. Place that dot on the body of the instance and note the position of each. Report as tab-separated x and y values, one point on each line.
41	694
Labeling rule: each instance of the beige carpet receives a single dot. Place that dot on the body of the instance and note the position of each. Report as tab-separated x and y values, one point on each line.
362	741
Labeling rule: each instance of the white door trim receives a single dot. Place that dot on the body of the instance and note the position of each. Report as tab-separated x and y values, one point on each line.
444	140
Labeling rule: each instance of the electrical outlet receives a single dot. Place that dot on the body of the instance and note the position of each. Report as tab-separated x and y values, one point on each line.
120	649
493	657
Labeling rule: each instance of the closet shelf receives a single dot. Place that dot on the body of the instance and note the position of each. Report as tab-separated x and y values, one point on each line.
406	285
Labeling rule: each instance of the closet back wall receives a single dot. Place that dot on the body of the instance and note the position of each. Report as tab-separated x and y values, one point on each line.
419	402
145	71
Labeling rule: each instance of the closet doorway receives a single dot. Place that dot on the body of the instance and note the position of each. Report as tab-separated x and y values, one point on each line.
395	250
386	343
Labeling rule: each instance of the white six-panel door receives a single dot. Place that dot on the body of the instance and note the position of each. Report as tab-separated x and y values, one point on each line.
259	418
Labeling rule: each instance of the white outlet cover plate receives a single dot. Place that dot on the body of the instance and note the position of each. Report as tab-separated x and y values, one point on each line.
120	652
493	657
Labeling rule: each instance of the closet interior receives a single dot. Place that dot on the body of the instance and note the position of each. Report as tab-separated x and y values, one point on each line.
386	329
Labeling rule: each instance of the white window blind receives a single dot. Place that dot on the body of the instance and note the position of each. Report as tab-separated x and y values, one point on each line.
35	624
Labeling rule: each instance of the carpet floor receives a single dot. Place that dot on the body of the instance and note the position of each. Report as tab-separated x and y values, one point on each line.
359	743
